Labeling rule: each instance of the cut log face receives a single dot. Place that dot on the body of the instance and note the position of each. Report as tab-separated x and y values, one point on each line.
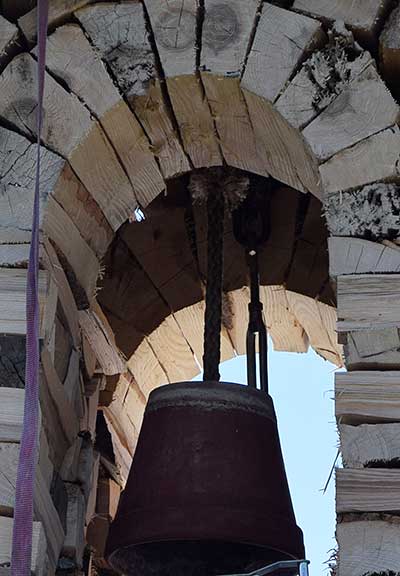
357	256
368	490
39	564
363	445
364	108
370	545
127	51
370	212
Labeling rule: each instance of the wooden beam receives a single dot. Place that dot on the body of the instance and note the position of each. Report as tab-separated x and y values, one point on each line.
147	369
101	342
389	51
367	397
366	444
127	50
174	27
357	256
364	108
77	136
368	544
11	414
8	38
282	40
39	564
368	301
71	57
370	212
368	490
375	349
59	11
371	160
362	18
74	542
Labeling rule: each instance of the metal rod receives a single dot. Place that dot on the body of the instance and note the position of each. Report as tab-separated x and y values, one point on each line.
256	328
301	566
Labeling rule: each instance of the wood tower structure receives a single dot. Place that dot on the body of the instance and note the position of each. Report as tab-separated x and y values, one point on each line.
144	101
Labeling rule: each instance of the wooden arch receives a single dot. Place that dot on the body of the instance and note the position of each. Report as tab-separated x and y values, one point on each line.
140	96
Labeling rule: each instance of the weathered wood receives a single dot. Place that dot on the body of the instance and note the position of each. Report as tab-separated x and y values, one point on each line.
162	237
174	29
368	301
12	361
45	464
321	78
371	212
363	18
69	469
17	171
13	9
367	397
91	498
372	160
364	108
11	414
173	351
285	154
74	542
368	490
127	51
62	231
39	546
101	341
368	545
357	256
374	349
108	493
8	37
59	11
282	39
44	508
389	50
366	444
69	130
13	298
71	57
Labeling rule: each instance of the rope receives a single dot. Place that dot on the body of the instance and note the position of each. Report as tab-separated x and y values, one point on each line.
21	555
215	260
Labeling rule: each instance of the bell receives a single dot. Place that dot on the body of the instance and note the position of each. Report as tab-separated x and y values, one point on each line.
207	493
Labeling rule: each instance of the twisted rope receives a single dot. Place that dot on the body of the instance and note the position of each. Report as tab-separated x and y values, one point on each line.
215	262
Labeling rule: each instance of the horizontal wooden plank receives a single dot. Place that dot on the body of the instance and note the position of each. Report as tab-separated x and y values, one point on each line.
367	397
39	546
358	256
368	490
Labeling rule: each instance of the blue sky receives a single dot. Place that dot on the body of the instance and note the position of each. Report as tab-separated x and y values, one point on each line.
301	386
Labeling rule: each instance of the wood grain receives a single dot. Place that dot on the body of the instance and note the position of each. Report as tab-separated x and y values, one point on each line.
365	444
368	490
357	256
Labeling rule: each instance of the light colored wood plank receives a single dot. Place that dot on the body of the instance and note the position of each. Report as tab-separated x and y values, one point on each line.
361	445
321	78
59	10
123	444
368	301
375	349
368	490
44	508
370	545
69	469
369	212
13	300
14	255
191	322
286	331
146	368
312	316
362	16
357	256
128	53
281	40
233	123
39	546
101	341
71	57
69	130
11	414
364	108
371	160
367	397
62	231
173	351
287	157
91	500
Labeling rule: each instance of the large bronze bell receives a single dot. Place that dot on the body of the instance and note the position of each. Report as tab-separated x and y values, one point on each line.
207	493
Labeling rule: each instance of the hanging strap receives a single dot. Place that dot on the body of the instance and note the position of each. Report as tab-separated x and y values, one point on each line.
23	509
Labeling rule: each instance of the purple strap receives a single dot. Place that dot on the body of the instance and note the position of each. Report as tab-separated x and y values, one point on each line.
21	556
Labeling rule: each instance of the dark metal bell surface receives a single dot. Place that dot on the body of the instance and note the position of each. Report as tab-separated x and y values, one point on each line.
207	493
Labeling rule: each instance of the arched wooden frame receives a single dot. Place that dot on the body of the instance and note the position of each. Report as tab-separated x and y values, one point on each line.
137	95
